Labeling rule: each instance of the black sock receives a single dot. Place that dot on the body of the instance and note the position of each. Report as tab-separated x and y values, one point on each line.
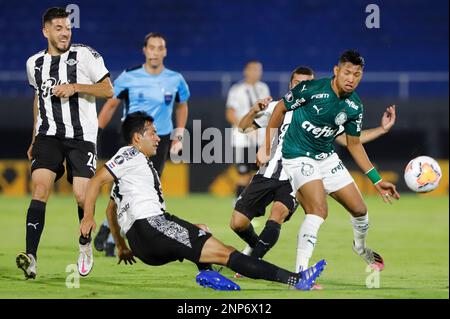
248	235
259	269
83	240
203	266
267	239
35	225
239	190
80	213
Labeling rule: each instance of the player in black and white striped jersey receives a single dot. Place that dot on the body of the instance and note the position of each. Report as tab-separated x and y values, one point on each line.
157	237
271	183
66	78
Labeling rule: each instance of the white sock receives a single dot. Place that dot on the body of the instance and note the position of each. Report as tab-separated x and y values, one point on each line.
247	250
360	229
306	240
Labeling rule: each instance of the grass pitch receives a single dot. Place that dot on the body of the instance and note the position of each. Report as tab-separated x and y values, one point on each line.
412	235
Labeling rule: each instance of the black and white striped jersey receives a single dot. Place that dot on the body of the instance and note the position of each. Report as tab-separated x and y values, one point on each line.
274	168
74	117
137	187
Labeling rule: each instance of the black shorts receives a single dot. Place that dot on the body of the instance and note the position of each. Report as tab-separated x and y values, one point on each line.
244	160
50	152
164	238
261	192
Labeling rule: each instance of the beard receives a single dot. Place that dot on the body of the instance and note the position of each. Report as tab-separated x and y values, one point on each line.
59	48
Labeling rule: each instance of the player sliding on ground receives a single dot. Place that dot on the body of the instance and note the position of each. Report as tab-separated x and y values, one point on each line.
319	108
157	237
270	183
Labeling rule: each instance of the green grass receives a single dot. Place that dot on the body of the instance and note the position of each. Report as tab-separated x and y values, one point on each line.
412	236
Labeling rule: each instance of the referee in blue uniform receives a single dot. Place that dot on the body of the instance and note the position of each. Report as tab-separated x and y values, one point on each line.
153	89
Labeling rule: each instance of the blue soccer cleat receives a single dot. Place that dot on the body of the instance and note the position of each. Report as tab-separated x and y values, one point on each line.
309	276
212	279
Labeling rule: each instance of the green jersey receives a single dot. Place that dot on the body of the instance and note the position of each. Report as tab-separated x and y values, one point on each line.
319	116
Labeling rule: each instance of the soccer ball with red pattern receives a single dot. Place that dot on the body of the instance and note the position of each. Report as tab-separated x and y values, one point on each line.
422	174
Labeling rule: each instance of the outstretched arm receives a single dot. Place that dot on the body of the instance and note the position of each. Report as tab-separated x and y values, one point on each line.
246	124
275	121
124	253
387	122
356	149
93	189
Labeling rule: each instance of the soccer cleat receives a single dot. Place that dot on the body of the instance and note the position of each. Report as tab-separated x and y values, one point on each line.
27	263
374	260
100	239
85	259
212	279
308	277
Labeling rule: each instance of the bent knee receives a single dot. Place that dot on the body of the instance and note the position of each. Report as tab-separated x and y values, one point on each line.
279	213
239	222
319	210
359	210
41	192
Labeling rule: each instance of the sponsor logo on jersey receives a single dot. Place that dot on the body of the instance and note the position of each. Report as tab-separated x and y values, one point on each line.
289	97
351	104
47	87
317	109
124	209
341	118
320	96
119	160
325	131
322	156
298	103
307	169
111	165
71	62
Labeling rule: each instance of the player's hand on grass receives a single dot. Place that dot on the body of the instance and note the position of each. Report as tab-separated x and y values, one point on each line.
261	157
126	255
387	191
87	225
203	227
64	90
388	119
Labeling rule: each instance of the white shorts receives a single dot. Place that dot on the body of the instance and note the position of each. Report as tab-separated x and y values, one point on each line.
330	170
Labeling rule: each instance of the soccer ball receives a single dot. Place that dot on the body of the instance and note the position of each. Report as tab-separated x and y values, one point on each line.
422	174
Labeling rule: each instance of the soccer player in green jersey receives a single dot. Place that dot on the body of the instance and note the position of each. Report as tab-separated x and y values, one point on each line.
319	108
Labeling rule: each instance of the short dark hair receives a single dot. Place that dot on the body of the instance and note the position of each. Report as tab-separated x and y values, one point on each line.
154	35
301	70
352	56
54	13
134	123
